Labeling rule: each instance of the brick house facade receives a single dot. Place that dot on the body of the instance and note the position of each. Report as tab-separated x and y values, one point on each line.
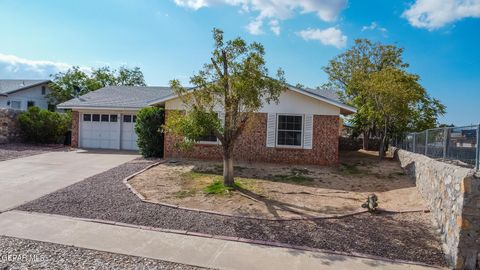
251	145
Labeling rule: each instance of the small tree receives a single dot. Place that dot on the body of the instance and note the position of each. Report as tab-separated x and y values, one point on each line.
373	78
236	82
349	70
393	101
148	129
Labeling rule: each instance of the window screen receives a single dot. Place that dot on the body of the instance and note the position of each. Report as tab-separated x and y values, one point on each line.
289	131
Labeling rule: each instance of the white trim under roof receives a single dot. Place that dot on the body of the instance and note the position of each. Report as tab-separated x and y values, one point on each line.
301	91
99	108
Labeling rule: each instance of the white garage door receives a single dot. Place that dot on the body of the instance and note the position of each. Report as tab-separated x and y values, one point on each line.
129	136
100	131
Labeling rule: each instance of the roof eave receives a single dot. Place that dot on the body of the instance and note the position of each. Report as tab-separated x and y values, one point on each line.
162	100
106	108
344	109
27	87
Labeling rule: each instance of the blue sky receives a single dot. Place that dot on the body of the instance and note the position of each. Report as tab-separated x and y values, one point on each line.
172	38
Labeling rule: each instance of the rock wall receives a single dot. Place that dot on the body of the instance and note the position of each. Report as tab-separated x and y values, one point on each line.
9	127
453	195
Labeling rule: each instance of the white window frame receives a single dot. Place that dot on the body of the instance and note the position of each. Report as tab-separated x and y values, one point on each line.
83	117
276	131
19	104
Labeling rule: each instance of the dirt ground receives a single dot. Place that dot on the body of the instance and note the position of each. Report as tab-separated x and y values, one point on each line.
283	191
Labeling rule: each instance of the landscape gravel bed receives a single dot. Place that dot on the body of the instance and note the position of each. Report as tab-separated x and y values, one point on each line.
18	150
406	236
16	253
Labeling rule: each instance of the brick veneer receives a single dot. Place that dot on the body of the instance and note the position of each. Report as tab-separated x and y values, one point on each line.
75	126
251	145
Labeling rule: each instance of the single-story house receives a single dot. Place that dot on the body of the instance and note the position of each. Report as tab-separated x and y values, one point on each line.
22	94
303	128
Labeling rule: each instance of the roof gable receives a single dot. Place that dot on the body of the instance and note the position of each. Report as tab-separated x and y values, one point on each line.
11	86
329	97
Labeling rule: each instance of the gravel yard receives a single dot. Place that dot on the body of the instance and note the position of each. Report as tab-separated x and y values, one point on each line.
18	150
16	253
408	236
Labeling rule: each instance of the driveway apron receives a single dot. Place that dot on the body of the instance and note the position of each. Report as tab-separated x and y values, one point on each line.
28	178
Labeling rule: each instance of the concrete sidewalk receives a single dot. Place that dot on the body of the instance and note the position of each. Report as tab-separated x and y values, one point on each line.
192	250
28	178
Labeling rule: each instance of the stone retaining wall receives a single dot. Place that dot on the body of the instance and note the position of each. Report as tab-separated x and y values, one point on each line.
453	195
9	128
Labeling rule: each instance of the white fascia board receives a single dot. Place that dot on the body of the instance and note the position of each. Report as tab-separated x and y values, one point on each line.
99	108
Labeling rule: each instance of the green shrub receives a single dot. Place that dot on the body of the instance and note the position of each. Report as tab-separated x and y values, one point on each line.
148	129
43	126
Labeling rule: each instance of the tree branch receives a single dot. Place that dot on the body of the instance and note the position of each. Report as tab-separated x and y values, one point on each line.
216	67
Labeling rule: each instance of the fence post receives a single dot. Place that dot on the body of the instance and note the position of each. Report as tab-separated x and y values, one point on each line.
477	159
445	141
426	142
414	141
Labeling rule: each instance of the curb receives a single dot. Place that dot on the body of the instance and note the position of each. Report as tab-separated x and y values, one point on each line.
145	200
236	239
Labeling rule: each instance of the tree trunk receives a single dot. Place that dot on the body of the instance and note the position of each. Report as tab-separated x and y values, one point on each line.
366	137
228	179
381	150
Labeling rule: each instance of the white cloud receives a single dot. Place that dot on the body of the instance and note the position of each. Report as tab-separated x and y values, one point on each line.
274	10
374	26
434	14
14	67
275	27
255	27
331	36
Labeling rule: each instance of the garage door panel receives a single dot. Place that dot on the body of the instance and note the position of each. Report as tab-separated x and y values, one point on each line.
112	132
129	136
99	134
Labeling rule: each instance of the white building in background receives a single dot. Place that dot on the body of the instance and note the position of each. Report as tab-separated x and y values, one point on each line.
22	94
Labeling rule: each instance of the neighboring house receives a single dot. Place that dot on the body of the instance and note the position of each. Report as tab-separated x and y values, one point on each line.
21	94
303	128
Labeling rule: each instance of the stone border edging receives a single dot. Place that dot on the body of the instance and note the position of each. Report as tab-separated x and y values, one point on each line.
236	239
143	199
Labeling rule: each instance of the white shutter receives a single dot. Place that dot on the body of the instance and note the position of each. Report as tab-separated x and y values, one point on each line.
308	132
271	129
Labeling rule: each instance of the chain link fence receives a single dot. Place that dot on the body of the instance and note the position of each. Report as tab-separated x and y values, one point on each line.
459	145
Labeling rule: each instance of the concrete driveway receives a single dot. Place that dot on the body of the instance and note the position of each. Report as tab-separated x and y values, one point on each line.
28	178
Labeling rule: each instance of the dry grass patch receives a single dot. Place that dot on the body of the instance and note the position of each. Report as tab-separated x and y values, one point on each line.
282	191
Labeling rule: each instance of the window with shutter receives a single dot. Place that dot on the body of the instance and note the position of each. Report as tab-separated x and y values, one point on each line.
289	130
